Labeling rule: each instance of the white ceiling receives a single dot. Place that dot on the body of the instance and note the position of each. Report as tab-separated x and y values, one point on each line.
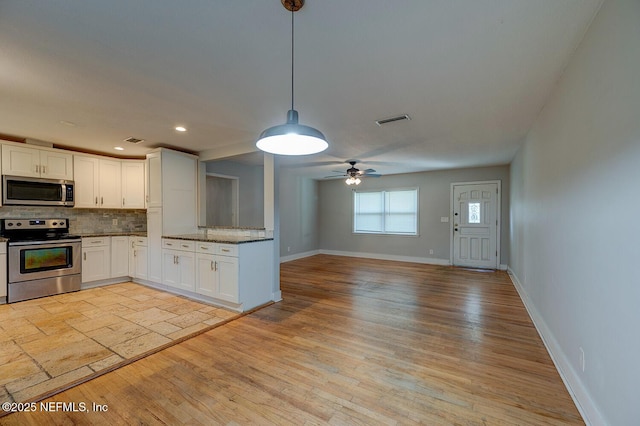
472	74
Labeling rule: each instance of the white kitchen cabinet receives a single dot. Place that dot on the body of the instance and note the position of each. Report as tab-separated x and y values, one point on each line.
171	203
119	256
21	160
227	278
3	271
154	179
138	259
110	184
178	264
154	243
206	269
96	259
98	182
133	184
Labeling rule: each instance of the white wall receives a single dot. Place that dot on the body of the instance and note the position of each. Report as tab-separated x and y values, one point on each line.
336	215
575	199
298	215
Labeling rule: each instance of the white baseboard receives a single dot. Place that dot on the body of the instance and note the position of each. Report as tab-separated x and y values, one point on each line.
276	296
503	267
578	392
297	256
426	260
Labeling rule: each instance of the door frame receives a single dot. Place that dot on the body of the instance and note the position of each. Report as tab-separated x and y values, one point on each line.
235	194
498	216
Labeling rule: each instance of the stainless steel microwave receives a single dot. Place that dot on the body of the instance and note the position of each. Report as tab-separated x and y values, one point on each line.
23	191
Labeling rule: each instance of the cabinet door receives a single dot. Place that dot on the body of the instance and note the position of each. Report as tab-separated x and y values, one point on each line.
133	184
110	183
187	266
131	247
96	263
56	165
119	257
141	260
3	274
85	170
154	180
227	278
154	244
205	274
20	161
170	268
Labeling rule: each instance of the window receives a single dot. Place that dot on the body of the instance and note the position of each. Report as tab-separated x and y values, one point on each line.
386	212
474	212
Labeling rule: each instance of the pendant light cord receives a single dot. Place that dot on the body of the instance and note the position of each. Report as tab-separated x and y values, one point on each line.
293	4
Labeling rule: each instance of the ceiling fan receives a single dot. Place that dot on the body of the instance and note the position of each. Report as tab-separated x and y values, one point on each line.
354	174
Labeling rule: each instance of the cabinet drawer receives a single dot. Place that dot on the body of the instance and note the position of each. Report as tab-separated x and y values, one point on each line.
227	249
96	241
139	241
179	245
202	247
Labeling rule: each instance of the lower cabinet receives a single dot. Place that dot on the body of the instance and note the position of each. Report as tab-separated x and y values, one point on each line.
216	275
3	271
138	257
119	256
96	259
178	264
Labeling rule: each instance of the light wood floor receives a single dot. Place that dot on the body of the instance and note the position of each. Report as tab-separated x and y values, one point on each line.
355	341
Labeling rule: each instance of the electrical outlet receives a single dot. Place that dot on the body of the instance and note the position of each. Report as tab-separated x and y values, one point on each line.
582	359
114	222
288	249
430	251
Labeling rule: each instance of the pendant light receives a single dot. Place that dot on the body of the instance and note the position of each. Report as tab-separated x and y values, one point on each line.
292	138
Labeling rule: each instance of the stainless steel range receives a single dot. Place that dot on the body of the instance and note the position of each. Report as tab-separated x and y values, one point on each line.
43	259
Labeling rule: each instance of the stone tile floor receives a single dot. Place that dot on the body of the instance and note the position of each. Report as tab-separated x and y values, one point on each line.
52	342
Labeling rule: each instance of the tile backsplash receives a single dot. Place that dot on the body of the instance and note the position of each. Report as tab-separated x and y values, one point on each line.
84	221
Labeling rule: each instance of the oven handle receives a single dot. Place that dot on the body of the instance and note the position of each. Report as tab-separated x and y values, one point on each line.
34	243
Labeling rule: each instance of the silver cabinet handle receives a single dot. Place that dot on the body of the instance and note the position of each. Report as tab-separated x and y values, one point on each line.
44	170
133	244
169	244
101	200
185	245
204	248
96	201
135	253
37	168
123	201
85	255
216	266
212	265
177	260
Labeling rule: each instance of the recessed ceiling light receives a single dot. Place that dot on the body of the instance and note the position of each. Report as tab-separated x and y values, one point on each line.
181	129
118	148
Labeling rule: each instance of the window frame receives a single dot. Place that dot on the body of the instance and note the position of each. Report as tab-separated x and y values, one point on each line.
385	201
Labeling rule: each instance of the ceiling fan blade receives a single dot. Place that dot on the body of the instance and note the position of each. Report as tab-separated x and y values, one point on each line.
371	175
334	176
368	171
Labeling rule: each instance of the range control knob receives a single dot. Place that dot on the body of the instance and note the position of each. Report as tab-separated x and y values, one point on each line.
54	223
19	224
9	224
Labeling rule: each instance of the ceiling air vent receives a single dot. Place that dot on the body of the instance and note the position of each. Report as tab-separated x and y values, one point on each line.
392	119
134	140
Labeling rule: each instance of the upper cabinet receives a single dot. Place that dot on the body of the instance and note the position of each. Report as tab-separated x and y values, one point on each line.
108	183
133	184
34	162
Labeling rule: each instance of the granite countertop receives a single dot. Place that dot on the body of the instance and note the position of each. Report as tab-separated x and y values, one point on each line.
224	239
113	234
3	240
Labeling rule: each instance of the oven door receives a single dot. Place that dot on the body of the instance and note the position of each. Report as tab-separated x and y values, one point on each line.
47	259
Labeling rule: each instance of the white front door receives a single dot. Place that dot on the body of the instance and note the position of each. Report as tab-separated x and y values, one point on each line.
475	224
